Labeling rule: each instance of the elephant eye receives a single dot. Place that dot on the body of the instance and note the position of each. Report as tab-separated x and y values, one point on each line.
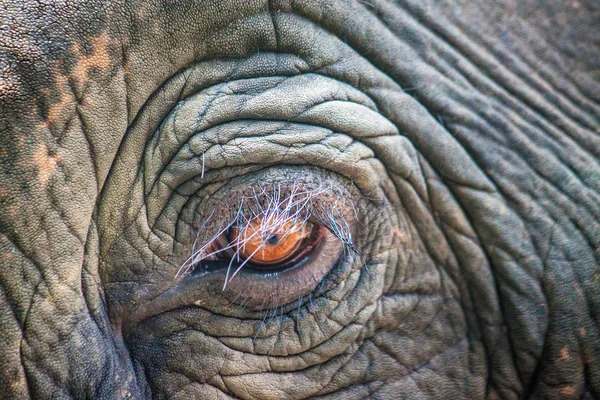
271	242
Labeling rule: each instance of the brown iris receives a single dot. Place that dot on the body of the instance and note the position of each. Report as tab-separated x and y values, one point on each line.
266	242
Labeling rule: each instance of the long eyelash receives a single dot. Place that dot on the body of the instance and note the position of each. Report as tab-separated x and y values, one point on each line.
277	212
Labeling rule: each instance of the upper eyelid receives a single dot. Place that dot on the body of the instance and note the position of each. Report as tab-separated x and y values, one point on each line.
286	201
227	113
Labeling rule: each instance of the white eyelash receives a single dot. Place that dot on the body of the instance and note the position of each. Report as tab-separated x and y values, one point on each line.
276	212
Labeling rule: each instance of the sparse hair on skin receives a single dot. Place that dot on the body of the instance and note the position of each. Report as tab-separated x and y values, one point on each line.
282	209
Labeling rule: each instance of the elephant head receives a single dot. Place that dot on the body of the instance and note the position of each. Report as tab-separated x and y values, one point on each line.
300	199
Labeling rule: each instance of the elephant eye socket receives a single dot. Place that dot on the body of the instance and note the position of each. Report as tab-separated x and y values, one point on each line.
268	242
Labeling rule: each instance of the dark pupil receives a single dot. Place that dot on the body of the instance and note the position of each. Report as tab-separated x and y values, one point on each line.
273	239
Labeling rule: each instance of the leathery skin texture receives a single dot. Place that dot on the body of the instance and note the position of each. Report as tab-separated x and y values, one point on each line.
449	151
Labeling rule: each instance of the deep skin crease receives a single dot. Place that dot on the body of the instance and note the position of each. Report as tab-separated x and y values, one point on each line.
473	125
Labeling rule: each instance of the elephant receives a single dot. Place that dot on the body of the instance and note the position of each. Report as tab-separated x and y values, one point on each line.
288	199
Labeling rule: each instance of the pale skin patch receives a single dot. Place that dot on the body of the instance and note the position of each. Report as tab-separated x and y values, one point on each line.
567	391
399	236
564	353
45	163
98	59
18	384
65	104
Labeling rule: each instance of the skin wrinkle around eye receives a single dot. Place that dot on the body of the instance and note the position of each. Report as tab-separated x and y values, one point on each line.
311	89
342	311
202	75
318	324
253	108
166	202
306	115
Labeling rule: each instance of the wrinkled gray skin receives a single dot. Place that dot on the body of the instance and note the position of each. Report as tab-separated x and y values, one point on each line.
473	128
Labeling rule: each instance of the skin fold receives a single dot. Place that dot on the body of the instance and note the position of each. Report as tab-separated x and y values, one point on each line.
459	141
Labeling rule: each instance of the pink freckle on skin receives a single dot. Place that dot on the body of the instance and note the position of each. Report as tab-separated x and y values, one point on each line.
64	106
567	391
99	58
45	163
399	235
